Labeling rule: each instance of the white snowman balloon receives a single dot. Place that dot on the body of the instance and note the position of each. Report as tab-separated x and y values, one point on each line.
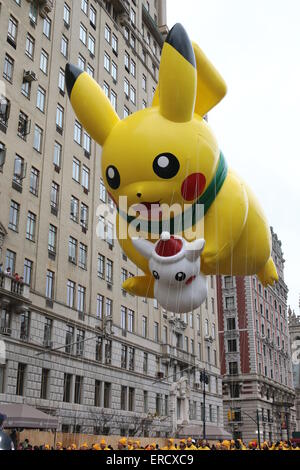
175	264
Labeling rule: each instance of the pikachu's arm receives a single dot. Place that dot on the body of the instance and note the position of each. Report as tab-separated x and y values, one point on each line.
224	223
211	88
91	106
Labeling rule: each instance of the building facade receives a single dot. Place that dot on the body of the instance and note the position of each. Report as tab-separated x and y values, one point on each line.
256	363
294	328
76	345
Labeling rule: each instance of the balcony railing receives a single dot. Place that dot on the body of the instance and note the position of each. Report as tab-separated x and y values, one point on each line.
171	352
13	293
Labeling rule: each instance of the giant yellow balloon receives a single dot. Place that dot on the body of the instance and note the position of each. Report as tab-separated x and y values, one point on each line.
166	155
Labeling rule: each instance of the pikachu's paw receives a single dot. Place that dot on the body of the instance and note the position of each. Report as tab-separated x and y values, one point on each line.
268	275
142	286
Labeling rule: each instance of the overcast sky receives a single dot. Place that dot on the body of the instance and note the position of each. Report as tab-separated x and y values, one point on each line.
255	45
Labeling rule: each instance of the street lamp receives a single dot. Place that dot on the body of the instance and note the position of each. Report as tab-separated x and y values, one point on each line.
204	378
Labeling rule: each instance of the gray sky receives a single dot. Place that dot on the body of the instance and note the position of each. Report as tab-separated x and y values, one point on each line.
255	45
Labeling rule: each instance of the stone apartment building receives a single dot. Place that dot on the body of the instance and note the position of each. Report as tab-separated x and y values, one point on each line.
294	329
256	364
76	345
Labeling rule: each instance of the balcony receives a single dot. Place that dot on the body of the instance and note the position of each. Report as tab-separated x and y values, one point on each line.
120	6
171	352
152	26
14	294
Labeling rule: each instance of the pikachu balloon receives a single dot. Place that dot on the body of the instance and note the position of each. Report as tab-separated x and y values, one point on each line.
166	155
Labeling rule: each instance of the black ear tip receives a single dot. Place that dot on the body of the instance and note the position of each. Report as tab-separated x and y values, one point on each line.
72	73
179	39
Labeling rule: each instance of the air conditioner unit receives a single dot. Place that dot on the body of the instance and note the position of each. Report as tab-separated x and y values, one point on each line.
29	76
160	375
109	286
72	259
5	331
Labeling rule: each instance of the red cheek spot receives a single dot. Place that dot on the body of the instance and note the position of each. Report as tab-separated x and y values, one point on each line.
193	186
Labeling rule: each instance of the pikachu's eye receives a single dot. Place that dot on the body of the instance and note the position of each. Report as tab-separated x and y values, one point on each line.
113	177
166	165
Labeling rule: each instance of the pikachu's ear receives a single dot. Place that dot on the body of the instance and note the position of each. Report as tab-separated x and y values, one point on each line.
177	77
90	104
211	87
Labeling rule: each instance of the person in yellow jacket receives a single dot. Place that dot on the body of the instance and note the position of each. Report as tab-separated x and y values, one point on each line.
59	446
130	444
170	445
122	444
103	445
182	444
204	446
73	447
136	445
190	445
84	446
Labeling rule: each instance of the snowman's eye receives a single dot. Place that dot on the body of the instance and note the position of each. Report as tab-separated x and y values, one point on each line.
166	165
180	276
155	274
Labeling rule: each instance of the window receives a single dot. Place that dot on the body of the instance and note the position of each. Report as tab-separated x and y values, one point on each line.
100	266
108	307
44	62
54	196
228	282
229	302
232	346
91	44
20	388
38	138
234	390
57	154
125	112
114	71
131	356
61	80
156	332
50	284
26	89
81	298
126	87
10	261
131	396
52	238
72	252
47	27
80	342
106	89
123	318
12	31
144	82
109	271
123	398
2	378
113	99
133	68
84	215
77	132
67	388
44	383
87	143
81	62
82	34
82	261
84	6
100	305
23	125
107	33
40	99
97	399
8	68
69	339
34	181
76	170
107	395
93	16
47	330
231	324
132	16
90	70
31	226
85	177
107	351
126	61
67	15
29	46
59	117
107	62
28	267
233	368
132	41
144	327
132	94
64	45
126	33
114	44
14	214
25	323
33	12
71	292
130	321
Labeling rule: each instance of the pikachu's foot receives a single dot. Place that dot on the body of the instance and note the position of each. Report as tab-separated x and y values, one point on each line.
142	286
268	275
